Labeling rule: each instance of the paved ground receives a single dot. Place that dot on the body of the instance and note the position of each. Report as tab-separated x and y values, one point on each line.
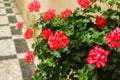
12	45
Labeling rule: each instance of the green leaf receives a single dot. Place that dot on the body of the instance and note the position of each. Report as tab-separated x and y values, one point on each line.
103	0
65	49
69	32
94	77
56	54
83	77
96	34
49	61
90	67
118	5
98	37
112	2
112	14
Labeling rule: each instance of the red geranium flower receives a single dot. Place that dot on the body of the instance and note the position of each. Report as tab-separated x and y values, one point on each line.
58	40
66	13
31	6
84	3
29	57
101	22
50	14
33	73
46	33
98	56
34	6
28	34
19	25
113	39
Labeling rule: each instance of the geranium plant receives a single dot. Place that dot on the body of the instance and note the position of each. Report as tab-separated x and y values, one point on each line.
83	44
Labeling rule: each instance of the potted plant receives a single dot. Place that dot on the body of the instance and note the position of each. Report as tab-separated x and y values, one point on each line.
79	44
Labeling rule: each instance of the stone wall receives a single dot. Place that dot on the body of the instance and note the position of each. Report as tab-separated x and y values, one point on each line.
22	8
58	5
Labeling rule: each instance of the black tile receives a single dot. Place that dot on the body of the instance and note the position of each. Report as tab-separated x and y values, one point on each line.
8	57
15	32
1	25
9	10
2	38
21	45
26	69
7	4
12	19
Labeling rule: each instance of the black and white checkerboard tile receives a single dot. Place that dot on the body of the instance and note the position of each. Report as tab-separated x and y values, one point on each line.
12	45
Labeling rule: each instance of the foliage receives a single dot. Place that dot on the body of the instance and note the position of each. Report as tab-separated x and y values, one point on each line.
69	62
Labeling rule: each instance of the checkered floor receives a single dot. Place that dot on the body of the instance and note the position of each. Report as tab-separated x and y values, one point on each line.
12	45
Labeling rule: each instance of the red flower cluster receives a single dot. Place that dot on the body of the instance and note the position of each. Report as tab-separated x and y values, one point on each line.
66	13
34	6
98	56
84	3
113	39
56	41
101	22
28	34
46	33
29	57
19	25
50	14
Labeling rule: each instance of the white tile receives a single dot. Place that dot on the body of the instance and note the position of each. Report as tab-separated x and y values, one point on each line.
5	31
2	11
12	24
19	18
10	70
7	47
1	4
3	20
17	37
21	56
11	14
